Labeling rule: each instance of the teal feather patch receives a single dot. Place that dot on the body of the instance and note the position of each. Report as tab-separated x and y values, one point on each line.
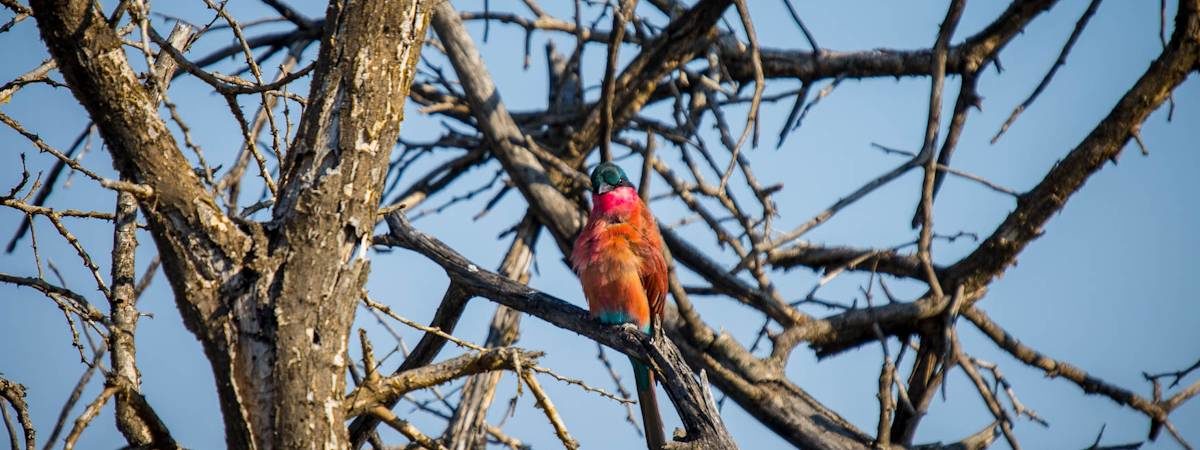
618	318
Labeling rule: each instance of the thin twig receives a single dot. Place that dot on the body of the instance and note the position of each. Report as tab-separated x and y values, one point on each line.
620	15
142	191
89	413
1058	63
407	429
469	345
756	102
65	412
543	402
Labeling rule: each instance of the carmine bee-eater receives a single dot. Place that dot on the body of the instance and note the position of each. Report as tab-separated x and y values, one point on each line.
620	263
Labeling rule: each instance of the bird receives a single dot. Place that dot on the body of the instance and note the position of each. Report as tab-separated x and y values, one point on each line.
620	263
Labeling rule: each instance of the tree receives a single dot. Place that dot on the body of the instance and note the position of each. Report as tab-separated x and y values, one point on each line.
271	286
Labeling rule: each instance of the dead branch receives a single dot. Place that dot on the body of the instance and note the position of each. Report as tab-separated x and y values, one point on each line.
405	428
89	413
544	403
14	394
373	393
1157	412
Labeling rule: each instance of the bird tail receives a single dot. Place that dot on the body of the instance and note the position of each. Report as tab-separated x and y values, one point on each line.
648	401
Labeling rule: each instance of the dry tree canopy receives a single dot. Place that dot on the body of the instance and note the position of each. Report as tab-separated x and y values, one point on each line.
360	212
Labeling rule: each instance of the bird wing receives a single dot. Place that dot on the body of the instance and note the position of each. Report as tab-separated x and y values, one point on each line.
653	267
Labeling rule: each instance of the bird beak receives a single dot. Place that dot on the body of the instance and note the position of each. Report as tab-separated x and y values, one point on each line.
605	187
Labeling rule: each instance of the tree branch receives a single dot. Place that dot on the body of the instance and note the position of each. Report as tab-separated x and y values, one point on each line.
388	389
14	394
691	399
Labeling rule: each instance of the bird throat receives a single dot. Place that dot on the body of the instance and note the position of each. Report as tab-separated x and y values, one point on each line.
617	202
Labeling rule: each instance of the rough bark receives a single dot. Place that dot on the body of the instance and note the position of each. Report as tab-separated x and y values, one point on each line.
124	316
14	395
332	181
271	304
137	429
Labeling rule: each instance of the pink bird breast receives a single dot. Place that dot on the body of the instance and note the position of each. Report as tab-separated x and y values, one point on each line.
621	199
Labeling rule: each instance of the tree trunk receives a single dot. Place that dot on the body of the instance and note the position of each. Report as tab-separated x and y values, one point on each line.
271	303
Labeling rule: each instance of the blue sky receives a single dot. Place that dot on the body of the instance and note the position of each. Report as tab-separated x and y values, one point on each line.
1111	286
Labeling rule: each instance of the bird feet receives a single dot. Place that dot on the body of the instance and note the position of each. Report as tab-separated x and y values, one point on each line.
631	326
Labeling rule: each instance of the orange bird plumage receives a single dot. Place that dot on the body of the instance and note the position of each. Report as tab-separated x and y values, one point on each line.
618	257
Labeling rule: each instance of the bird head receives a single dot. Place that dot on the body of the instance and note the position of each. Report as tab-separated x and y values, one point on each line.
608	176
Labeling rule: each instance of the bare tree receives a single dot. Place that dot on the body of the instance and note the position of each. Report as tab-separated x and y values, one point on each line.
270	286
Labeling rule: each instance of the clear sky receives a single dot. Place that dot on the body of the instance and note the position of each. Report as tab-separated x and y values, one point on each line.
1111	286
